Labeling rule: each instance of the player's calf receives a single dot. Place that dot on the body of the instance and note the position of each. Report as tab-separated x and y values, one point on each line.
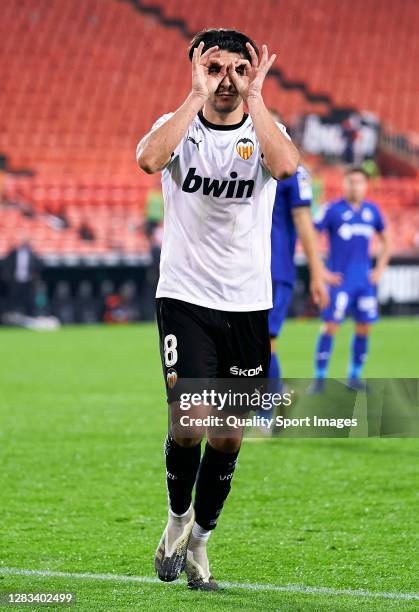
359	352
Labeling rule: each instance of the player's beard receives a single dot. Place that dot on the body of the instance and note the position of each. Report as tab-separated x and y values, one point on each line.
225	105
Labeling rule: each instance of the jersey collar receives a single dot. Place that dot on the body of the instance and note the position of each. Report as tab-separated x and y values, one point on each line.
216	126
355	210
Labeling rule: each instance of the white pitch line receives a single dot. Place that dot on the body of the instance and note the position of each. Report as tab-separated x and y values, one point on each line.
289	588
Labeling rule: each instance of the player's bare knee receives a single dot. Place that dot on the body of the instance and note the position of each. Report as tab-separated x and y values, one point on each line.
362	329
186	426
330	328
225	445
186	442
186	434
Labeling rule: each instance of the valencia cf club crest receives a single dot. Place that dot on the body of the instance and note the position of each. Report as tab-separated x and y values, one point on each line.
245	148
171	378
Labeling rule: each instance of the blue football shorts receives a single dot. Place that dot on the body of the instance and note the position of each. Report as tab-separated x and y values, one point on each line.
358	302
281	297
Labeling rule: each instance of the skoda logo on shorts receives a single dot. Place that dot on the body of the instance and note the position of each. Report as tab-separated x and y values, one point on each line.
236	371
171	378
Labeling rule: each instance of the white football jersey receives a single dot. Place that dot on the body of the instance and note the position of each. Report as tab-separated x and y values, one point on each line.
218	200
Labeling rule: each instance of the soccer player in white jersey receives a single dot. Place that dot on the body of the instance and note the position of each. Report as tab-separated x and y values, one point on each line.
219	165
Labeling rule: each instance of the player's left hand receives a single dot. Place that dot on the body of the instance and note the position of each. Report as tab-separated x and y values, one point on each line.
248	77
375	275
319	292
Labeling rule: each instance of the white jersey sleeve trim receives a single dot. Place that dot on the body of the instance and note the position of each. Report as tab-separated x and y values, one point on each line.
283	129
161	121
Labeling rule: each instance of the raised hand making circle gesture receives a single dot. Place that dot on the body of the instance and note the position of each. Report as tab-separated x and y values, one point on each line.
205	80
248	77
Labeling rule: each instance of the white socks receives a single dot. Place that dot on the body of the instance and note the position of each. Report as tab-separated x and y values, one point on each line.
199	534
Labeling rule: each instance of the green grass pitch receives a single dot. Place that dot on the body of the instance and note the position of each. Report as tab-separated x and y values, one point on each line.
82	487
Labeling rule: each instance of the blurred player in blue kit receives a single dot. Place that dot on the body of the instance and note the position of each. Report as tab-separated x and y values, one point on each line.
291	218
350	224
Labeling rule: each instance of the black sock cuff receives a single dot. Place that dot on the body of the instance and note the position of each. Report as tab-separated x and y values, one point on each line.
213	485
220	458
170	442
184	458
182	464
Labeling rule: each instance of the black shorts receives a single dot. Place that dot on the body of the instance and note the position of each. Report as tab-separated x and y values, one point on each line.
204	343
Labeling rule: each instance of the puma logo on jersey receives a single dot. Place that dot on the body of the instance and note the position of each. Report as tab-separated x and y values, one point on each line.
197	143
218	188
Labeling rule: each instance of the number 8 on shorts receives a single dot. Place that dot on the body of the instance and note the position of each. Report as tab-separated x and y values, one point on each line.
170	352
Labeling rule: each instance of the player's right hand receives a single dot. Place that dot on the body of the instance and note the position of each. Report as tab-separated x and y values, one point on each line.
319	292
207	71
334	279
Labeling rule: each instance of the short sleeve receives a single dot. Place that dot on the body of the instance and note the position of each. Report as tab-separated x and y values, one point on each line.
283	129
300	191
322	219
379	221
160	121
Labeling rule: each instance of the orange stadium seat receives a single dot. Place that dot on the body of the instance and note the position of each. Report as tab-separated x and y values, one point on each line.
87	90
81	82
350	51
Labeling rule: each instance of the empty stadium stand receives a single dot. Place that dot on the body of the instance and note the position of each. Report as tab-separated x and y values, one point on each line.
114	209
82	81
359	53
79	85
32	208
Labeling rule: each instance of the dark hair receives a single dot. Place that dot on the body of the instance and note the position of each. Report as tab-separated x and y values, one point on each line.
356	170
229	40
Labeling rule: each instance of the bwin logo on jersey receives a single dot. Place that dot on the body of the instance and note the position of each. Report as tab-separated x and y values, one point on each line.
245	147
217	188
